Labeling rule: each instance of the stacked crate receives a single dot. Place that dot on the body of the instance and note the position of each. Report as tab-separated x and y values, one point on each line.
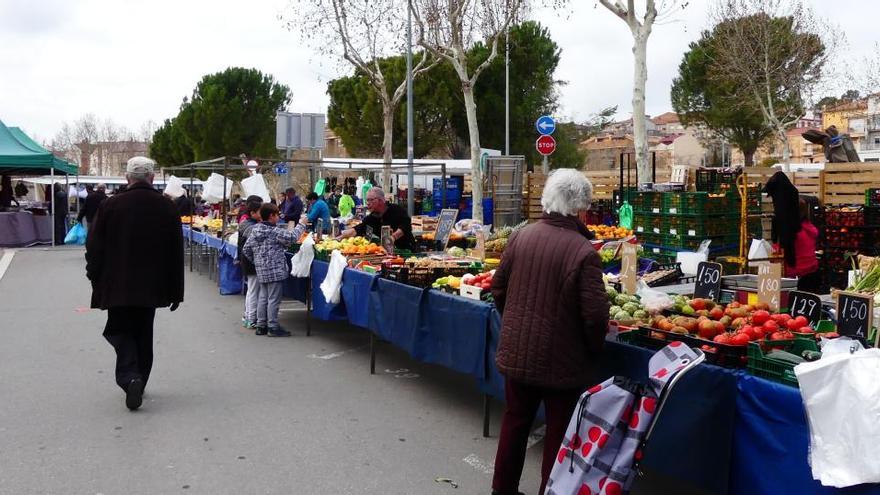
671	222
848	232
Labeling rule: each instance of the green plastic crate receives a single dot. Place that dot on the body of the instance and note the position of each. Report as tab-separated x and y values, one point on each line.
647	201
647	224
695	203
688	243
701	226
760	365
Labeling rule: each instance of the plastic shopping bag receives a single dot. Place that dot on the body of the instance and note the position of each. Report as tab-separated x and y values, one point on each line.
213	189
76	235
301	264
174	187
760	249
840	395
255	185
332	284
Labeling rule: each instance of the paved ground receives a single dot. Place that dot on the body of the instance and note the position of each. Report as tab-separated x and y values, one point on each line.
225	412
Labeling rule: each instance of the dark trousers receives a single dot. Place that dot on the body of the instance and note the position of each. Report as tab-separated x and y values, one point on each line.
811	282
130	332
519	413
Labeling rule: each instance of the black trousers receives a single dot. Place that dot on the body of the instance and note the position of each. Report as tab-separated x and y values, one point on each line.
130	331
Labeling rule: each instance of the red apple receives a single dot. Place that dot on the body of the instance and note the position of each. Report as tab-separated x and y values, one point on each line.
706	329
716	313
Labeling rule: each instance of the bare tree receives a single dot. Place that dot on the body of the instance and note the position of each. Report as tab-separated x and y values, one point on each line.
448	29
361	32
775	51
640	26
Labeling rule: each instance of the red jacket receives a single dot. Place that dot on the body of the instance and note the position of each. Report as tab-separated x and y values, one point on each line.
554	306
804	251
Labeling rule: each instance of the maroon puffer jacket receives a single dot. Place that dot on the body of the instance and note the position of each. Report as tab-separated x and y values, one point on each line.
554	306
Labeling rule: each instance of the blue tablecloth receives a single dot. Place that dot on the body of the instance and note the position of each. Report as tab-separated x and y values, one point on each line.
321	309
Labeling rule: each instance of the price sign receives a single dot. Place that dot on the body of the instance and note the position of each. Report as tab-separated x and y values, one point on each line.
319	229
445	225
387	240
479	251
805	304
708	285
855	313
629	268
769	283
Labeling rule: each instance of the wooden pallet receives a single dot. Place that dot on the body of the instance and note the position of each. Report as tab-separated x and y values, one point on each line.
845	183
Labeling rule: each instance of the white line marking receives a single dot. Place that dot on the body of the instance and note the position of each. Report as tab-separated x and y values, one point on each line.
334	355
536	436
476	463
5	261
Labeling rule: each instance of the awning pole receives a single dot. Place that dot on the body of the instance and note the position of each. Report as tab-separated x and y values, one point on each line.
52	201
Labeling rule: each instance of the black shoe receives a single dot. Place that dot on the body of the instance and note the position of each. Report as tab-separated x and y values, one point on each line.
134	395
262	331
278	332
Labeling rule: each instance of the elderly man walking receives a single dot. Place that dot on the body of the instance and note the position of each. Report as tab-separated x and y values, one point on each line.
134	259
554	317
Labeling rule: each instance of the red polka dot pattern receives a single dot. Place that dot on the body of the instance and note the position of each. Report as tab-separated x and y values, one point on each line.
675	343
585	490
595	389
585	451
561	456
650	404
613	488
594	433
603	441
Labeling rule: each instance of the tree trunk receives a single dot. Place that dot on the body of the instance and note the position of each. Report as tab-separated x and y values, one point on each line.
470	107
786	152
387	150
640	131
749	156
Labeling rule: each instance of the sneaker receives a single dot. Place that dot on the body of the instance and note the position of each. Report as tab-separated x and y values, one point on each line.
249	324
278	332
262	331
134	394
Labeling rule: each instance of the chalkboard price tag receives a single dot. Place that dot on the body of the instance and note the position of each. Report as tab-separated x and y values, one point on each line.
708	284
387	239
769	281
629	268
445	224
855	313
805	304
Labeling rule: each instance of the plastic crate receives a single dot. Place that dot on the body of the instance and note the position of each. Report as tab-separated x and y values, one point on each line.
872	216
688	243
872	197
844	218
728	356
778	371
647	201
647	224
695	203
701	226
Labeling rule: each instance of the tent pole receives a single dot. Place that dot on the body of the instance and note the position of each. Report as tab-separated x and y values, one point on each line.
52	201
192	213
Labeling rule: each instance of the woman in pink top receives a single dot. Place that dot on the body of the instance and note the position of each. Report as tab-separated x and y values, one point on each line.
806	266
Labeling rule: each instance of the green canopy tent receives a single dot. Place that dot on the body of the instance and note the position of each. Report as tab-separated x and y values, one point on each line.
21	155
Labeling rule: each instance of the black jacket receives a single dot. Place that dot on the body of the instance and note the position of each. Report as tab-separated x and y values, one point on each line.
134	251
244	228
93	201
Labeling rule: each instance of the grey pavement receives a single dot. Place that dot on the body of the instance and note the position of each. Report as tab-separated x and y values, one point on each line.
225	411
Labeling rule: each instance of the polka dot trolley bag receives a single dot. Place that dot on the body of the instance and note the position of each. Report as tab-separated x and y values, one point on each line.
611	425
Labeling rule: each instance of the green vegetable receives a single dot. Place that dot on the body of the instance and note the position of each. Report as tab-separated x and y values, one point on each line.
612	294
640	314
622	316
784	357
630	307
614	310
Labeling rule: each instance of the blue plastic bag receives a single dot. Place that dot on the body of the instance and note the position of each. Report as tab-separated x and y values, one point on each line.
76	235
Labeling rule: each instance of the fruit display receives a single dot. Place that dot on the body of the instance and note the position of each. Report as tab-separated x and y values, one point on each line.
449	281
498	240
185	219
482	280
351	246
627	310
606	232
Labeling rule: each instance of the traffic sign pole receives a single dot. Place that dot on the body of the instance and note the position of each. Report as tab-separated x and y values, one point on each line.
546	145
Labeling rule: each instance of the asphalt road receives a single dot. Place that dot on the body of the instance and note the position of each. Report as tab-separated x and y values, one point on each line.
225	411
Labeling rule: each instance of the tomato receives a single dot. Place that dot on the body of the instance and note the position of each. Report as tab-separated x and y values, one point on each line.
723	338
781	318
802	321
806	330
793	324
770	326
740	339
831	335
760	317
778	336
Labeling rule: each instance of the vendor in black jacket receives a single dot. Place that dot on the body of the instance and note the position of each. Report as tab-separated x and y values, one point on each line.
93	201
382	214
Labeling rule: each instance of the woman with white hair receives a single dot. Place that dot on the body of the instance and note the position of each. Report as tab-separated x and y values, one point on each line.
554	309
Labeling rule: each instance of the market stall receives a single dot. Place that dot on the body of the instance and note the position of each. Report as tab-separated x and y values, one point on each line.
22	156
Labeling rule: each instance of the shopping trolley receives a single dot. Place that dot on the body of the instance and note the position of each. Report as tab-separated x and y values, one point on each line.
603	445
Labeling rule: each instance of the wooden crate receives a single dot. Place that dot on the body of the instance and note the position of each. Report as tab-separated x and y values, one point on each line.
845	183
809	183
533	188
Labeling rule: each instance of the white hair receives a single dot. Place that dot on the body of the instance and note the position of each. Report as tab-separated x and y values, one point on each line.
567	192
377	191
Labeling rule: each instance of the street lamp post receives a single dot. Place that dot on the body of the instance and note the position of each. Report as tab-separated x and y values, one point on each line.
410	198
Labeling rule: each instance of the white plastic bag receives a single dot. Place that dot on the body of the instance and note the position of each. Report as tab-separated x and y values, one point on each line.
213	189
301	264
840	395
760	249
255	185
332	284
174	187
653	300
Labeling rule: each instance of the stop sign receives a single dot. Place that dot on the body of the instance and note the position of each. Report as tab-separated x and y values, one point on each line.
545	145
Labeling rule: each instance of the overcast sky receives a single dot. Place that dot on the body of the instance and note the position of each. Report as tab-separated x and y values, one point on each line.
133	61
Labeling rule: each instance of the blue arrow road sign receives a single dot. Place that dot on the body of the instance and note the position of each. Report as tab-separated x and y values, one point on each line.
545	124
